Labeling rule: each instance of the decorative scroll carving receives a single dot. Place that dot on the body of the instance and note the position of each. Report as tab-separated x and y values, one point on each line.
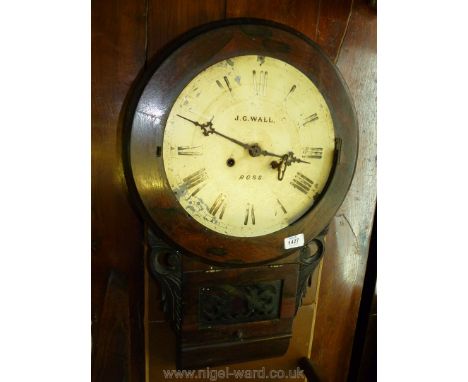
228	304
165	266
309	258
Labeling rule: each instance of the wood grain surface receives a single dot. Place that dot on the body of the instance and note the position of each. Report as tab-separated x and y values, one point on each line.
168	19
118	55
344	264
323	21
302	15
112	346
332	25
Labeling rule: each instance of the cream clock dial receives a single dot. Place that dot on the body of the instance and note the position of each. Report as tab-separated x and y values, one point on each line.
248	146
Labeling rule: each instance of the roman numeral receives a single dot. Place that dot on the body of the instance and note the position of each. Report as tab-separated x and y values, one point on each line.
220	201
260	80
312	153
226	82
302	183
282	207
249	212
197	179
190	150
310	118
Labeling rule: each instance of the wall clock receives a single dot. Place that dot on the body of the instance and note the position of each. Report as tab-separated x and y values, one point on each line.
240	146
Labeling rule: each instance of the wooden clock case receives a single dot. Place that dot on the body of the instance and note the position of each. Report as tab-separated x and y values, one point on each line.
230	299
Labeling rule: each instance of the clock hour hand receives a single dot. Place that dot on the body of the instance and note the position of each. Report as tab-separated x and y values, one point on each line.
293	159
286	160
255	150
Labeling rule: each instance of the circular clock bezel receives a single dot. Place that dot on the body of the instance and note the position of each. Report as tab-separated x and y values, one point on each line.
153	99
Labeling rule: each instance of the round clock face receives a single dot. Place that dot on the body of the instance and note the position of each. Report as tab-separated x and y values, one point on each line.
248	146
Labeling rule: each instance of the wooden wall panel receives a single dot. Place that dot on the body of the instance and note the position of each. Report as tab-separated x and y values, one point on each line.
167	19
301	15
344	264
323	21
111	361
332	25
118	54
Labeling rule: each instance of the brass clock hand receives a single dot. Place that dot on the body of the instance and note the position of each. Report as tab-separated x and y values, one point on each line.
209	129
286	160
293	159
254	150
244	145
206	127
282	166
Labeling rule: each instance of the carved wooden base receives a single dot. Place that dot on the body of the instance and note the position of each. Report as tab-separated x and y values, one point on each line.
227	315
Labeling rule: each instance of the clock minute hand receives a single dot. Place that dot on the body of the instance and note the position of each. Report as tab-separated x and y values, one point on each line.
209	129
244	145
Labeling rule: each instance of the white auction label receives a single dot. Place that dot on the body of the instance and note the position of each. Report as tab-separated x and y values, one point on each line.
294	241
